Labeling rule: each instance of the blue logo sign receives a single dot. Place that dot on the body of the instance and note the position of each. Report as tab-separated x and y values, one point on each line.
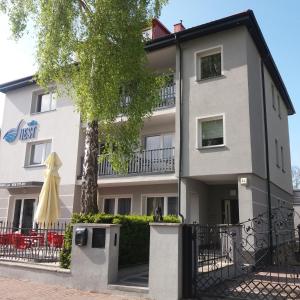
26	133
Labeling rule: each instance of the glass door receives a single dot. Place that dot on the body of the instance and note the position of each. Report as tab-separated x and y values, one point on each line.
23	215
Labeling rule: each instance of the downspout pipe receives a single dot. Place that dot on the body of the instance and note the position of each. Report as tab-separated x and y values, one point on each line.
267	160
178	46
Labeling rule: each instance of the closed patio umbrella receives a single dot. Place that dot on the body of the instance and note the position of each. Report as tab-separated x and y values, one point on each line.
48	209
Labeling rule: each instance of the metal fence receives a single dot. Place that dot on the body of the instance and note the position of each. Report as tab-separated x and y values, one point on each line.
40	243
239	261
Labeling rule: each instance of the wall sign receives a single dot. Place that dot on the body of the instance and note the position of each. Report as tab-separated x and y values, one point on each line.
24	131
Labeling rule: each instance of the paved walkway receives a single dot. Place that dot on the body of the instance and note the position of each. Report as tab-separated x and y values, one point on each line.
12	289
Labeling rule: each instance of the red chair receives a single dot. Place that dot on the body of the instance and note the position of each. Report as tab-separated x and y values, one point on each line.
57	241
22	242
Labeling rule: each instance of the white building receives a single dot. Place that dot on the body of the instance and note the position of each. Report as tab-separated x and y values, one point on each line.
216	150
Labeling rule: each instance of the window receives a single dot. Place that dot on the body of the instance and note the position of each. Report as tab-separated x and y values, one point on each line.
273	96
282	159
277	153
168	205
153	203
163	144
109	206
117	205
38	153
279	106
44	102
124	206
173	206
209	64
210	132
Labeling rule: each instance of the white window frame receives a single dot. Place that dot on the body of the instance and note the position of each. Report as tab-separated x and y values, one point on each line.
199	121
22	198
117	197
35	98
161	135
28	153
165	196
207	52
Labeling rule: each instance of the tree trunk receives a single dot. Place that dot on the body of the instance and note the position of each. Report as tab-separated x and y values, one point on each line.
90	169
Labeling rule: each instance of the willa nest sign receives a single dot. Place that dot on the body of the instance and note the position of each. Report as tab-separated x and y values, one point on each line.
24	131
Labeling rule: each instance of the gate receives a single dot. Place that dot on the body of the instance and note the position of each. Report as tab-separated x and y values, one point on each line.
237	262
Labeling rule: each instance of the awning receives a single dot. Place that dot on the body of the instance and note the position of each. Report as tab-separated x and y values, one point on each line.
13	185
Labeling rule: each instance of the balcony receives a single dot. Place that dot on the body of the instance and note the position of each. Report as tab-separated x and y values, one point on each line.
157	161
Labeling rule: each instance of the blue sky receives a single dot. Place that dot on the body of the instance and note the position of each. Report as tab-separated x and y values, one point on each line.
279	21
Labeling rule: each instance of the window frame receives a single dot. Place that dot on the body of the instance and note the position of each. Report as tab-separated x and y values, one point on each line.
199	121
29	151
22	198
161	139
35	98
204	53
116	203
144	198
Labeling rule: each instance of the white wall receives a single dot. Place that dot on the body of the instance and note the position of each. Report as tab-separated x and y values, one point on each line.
61	126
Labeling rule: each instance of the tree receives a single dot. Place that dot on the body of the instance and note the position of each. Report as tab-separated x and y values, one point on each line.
95	50
296	177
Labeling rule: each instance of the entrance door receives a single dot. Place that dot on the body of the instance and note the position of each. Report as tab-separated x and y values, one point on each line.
23	214
230	211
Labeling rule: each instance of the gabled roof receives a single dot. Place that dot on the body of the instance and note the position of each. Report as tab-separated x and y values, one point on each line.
246	18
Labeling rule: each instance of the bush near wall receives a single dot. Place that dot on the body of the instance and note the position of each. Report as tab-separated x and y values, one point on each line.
134	236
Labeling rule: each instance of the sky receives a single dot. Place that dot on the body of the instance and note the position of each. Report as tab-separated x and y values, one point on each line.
279	21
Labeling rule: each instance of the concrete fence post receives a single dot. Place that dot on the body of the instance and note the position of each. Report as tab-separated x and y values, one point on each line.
165	266
95	265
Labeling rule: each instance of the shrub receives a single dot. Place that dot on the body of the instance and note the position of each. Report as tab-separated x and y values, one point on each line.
134	236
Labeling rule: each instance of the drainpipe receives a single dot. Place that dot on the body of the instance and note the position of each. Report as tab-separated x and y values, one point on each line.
267	161
180	128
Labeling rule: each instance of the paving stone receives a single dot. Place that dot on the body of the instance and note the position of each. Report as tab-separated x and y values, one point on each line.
13	289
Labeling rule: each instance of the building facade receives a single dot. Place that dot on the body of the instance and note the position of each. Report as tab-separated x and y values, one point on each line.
216	150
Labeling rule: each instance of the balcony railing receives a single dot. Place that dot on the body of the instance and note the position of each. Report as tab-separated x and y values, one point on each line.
144	162
157	161
167	95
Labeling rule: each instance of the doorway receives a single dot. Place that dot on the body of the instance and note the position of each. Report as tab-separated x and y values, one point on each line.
23	214
230	211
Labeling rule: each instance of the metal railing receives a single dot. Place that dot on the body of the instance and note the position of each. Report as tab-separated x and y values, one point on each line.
40	243
167	95
144	162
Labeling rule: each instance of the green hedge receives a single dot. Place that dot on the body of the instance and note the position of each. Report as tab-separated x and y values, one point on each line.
134	236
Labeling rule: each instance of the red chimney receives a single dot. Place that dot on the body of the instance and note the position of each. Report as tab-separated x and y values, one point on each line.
179	27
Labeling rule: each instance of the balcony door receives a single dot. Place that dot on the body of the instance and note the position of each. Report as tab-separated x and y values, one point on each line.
23	214
159	150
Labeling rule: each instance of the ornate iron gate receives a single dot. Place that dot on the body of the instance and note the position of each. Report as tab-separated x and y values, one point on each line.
236	261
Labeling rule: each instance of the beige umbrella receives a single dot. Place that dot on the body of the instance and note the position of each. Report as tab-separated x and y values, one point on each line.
48	209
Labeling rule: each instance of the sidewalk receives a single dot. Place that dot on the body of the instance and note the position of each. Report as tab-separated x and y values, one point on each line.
12	289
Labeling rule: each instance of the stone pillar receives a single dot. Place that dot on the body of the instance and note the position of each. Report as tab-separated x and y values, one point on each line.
165	266
94	268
